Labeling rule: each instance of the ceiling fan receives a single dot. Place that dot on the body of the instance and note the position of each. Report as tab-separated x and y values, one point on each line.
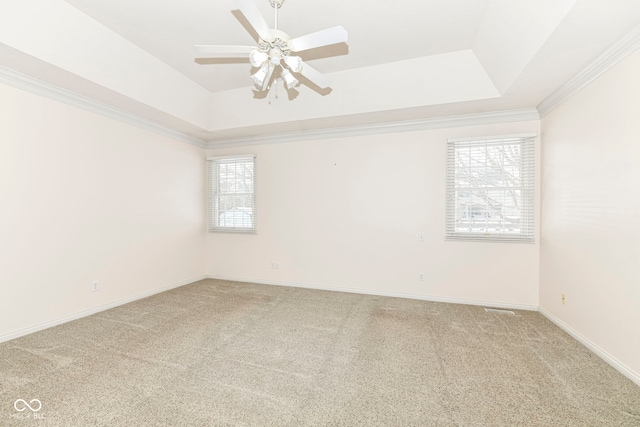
275	49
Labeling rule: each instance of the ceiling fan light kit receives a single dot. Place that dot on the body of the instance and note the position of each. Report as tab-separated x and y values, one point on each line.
275	49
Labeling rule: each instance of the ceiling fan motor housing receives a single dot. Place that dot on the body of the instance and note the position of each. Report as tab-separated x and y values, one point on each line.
279	47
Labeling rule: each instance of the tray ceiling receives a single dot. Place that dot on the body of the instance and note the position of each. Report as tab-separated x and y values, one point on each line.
405	60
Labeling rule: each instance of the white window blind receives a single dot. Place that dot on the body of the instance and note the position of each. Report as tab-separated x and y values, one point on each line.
232	194
490	189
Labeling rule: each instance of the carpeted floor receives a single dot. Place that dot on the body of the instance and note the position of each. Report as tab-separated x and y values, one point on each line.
218	353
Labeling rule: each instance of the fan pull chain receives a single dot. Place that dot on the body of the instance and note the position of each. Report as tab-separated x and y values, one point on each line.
270	96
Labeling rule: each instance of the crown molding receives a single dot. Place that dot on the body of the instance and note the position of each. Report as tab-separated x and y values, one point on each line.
617	52
627	45
38	87
494	117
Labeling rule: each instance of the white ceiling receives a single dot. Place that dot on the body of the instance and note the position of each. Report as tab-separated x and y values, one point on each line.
404	60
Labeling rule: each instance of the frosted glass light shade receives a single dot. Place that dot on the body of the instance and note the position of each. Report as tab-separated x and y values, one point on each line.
260	75
257	58
294	62
289	79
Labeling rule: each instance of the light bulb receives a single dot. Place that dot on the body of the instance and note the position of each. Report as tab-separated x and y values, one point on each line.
260	75
257	58
294	62
289	80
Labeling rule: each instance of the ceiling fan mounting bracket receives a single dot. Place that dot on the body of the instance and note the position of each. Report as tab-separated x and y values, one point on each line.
277	4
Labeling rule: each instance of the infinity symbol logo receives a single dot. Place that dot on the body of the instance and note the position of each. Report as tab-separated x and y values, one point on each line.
35	408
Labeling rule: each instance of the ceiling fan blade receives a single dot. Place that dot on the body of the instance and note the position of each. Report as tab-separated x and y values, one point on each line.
223	51
320	38
255	18
314	76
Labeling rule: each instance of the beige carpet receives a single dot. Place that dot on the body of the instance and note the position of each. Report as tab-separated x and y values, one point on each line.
218	353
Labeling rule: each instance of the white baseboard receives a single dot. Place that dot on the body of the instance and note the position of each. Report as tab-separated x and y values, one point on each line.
74	316
379	293
619	366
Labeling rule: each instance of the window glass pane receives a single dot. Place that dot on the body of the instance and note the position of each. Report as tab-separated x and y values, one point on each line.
487	190
232	206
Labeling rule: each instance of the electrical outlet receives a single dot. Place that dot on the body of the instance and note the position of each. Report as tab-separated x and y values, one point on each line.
421	277
564	299
95	286
275	265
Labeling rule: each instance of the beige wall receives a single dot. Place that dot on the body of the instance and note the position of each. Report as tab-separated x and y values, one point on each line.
590	210
345	214
84	198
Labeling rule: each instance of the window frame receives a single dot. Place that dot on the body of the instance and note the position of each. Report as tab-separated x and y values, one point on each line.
214	194
527	183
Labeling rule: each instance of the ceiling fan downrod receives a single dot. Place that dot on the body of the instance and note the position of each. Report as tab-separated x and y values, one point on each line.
276	4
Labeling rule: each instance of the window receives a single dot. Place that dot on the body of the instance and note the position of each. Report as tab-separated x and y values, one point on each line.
232	194
490	188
